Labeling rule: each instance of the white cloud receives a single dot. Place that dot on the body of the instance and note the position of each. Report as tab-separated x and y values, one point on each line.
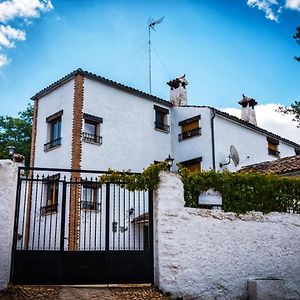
3	60
271	8
293	4
11	9
22	9
9	34
275	122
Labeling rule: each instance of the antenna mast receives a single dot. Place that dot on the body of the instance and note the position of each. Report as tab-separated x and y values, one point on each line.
151	24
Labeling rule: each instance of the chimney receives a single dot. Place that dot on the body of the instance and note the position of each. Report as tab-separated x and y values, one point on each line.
178	95
248	111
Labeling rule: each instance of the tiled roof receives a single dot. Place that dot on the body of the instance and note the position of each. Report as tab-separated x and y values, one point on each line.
249	125
101	79
279	166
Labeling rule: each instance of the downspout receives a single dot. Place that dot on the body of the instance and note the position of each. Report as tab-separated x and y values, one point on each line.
212	116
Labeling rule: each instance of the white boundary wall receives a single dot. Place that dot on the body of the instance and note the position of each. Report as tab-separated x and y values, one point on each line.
8	184
202	254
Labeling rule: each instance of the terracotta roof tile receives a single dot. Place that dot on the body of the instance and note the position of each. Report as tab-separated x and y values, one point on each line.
279	166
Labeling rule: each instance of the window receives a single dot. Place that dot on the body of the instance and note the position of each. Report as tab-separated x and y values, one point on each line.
297	151
193	165
189	128
161	120
54	125
51	193
273	147
90	196
91	131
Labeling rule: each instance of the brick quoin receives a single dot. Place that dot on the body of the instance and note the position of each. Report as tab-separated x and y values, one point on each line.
76	161
32	161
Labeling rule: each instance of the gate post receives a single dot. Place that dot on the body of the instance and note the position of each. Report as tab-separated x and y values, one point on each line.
107	212
63	216
8	189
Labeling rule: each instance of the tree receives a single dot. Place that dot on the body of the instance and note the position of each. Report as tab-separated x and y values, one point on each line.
296	36
17	132
294	109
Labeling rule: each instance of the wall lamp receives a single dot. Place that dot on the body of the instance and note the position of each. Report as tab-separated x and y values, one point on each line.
169	160
11	151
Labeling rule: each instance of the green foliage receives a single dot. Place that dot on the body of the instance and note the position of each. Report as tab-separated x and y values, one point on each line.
294	110
16	132
242	192
148	179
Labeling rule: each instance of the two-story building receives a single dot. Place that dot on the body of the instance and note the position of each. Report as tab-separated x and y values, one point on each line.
84	121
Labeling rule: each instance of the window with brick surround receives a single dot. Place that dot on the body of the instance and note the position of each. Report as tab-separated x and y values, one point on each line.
89	198
193	165
51	194
189	128
161	118
54	131
273	147
91	129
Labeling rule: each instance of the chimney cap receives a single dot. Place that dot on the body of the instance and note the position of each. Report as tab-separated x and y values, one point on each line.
247	100
175	82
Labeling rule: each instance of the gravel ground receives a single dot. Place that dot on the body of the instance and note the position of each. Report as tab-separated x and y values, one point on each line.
73	293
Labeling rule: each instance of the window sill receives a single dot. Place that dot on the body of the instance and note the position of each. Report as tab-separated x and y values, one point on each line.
49	210
188	137
52	148
161	130
91	142
273	155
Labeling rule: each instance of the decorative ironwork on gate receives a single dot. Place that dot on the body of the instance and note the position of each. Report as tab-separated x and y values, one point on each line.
70	228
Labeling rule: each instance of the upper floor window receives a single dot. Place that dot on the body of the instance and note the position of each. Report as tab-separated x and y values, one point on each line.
54	130
161	119
193	165
189	128
297	151
51	191
273	147
91	131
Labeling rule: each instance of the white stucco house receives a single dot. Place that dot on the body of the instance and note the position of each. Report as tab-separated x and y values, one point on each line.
85	121
84	124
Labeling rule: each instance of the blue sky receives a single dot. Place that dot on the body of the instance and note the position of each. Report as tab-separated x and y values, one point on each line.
225	48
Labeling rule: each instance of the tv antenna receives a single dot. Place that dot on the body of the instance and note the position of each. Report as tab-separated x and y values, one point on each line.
234	156
151	25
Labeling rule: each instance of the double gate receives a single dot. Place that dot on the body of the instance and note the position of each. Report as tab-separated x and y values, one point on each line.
72	229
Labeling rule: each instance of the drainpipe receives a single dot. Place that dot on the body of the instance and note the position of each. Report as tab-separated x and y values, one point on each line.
212	116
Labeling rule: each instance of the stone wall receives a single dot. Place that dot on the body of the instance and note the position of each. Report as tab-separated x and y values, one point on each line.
203	254
8	184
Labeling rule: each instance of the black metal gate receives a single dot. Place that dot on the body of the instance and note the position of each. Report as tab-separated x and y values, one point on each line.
71	229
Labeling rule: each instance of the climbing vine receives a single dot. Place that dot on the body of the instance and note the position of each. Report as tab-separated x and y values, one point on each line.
148	179
241	192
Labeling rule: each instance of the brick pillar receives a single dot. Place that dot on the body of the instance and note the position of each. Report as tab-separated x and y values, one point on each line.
32	160
76	162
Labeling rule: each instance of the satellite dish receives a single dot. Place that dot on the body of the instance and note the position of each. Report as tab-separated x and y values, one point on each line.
234	155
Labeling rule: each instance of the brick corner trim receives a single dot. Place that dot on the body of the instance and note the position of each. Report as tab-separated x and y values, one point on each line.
76	152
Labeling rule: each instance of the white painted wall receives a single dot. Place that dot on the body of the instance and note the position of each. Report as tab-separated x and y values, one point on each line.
246	141
8	185
227	133
197	146
201	254
60	98
129	138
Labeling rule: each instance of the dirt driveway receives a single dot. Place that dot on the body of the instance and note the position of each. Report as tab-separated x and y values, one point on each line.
74	293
